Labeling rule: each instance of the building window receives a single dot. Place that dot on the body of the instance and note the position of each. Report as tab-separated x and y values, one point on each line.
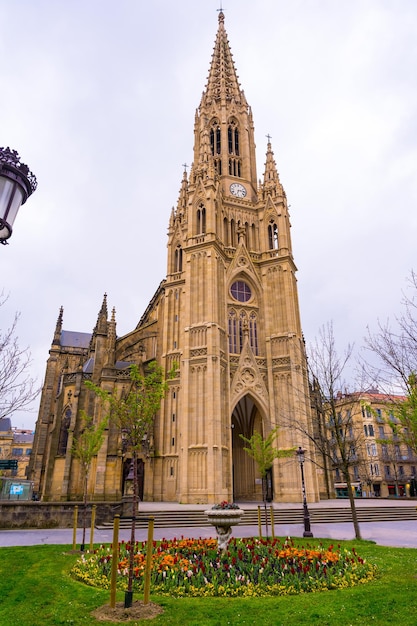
17	451
178	259
371	430
201	220
374	469
240	291
215	138
272	236
387	470
253	333
233	139
234	167
401	470
381	432
63	435
238	325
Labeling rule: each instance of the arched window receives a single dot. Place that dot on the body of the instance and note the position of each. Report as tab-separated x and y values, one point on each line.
273	236
232	233
233	138
215	138
234	167
201	220
253	333
178	259
233	333
226	231
254	243
63	434
238	326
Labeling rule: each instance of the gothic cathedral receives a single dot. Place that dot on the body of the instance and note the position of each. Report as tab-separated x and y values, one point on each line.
226	315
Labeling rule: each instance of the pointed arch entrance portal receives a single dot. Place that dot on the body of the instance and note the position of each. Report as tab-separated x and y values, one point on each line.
246	418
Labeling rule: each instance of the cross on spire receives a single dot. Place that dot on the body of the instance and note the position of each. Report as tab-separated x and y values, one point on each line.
185	167
268	136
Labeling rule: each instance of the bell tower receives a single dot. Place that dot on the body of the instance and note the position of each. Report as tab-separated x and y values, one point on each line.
226	316
231	316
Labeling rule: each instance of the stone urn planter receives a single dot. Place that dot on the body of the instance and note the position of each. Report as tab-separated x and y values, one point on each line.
223	516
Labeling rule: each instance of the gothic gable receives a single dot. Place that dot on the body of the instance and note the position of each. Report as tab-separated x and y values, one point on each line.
248	380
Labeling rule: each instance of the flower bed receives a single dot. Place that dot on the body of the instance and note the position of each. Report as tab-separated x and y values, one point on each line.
249	567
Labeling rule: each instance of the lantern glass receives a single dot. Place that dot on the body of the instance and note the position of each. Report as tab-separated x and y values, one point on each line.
11	197
300	455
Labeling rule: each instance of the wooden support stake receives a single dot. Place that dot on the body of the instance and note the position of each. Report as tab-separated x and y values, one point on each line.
114	561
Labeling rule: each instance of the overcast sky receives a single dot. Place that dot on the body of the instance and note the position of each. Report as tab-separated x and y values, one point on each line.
98	97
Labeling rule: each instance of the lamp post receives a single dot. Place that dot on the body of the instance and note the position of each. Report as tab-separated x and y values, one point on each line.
17	183
307	528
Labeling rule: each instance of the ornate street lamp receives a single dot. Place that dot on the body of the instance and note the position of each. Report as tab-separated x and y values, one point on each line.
307	528
17	183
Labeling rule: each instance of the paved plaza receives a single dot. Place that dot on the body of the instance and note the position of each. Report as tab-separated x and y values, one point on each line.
394	533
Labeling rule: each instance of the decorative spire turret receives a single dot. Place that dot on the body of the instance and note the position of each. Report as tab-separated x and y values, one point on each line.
271	184
182	200
101	325
58	328
111	339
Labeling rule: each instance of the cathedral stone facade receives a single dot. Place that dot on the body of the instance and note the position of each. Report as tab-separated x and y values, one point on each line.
226	315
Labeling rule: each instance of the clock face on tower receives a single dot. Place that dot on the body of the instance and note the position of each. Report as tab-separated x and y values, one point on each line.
238	190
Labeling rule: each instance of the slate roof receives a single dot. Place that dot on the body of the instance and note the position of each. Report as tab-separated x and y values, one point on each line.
74	339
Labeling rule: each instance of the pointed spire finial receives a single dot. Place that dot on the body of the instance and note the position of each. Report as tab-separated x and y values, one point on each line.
58	327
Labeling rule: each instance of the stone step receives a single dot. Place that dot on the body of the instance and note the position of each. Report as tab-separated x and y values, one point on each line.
196	518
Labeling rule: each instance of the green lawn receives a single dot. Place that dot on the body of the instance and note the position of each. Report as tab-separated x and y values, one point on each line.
36	590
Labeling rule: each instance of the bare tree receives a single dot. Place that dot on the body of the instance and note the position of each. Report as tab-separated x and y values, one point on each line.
395	346
17	387
335	432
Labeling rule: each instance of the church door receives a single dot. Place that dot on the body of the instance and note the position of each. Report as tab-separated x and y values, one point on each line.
247	484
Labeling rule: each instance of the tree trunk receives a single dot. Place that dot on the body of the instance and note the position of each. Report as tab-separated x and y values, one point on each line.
352	506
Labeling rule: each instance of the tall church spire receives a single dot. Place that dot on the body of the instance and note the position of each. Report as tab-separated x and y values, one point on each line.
224	144
222	81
